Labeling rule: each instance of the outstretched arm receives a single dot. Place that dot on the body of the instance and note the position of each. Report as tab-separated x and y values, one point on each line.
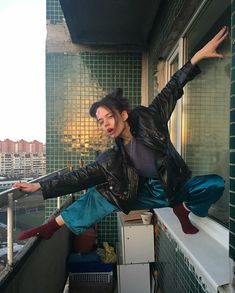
83	178
77	180
210	49
164	103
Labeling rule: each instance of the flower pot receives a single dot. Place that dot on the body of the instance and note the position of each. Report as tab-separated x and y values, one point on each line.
85	242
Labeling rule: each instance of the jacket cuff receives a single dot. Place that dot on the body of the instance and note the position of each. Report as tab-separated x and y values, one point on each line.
44	189
192	70
189	72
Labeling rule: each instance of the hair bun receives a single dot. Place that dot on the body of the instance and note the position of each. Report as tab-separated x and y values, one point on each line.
118	92
113	101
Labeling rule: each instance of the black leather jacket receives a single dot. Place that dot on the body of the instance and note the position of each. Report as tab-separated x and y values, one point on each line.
113	174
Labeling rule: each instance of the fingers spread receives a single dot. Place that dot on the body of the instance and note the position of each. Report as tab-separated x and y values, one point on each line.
222	34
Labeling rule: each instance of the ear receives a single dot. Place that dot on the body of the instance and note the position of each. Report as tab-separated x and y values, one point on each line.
124	115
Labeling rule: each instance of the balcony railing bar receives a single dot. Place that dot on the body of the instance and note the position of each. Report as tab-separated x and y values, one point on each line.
58	198
10	219
7	198
17	193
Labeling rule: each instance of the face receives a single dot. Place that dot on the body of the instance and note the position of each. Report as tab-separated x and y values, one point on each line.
113	125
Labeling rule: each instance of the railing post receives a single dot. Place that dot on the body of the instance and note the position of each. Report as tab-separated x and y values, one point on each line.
58	202
10	230
58	198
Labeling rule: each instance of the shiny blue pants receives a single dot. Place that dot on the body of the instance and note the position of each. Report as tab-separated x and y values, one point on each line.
198	193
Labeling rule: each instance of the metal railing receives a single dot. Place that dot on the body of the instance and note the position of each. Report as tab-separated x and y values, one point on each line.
8	197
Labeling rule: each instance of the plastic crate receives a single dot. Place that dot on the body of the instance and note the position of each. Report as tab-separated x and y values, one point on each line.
94	278
87	264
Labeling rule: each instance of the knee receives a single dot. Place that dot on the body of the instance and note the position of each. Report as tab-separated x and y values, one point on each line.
216	181
216	186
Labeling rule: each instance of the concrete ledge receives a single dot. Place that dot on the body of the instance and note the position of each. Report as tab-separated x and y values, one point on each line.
208	256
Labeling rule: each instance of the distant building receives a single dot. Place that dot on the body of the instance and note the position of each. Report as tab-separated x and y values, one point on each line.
8	146
22	159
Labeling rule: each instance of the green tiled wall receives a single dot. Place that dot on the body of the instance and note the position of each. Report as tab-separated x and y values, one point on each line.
232	146
168	11
173	16
167	15
73	83
54	12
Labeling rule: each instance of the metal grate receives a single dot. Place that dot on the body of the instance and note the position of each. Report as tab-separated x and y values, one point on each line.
175	272
102	278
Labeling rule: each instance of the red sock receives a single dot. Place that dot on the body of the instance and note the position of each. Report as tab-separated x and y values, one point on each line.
182	214
45	231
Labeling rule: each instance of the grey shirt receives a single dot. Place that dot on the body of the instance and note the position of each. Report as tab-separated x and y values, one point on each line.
143	158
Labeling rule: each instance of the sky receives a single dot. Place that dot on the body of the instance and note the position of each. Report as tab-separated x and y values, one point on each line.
22	70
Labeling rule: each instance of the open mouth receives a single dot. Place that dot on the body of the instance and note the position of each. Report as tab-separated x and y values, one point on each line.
110	131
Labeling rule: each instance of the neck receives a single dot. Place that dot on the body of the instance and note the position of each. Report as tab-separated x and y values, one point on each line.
126	134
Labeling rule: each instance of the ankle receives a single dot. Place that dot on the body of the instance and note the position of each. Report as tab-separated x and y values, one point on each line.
181	209
59	220
182	214
185	207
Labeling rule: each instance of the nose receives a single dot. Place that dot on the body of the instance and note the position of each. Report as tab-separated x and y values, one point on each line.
106	123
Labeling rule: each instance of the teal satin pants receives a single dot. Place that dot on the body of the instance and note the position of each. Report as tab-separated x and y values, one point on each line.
199	193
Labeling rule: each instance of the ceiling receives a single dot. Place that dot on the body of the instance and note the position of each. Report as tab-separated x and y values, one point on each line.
110	22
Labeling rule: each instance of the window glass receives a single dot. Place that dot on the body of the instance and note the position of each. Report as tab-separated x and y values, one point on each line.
205	136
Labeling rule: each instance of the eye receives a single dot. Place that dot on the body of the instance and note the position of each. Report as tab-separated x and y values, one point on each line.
100	122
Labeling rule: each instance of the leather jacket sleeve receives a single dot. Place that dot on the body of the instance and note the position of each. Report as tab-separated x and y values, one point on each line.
164	103
83	178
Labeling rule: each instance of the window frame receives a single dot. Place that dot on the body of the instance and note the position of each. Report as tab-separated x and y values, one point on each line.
181	50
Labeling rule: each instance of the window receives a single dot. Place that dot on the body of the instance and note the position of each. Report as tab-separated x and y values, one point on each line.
205	109
199	125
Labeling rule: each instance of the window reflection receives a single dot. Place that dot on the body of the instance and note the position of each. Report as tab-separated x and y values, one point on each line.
205	136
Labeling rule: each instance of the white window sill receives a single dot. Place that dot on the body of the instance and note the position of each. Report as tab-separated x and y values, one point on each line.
208	250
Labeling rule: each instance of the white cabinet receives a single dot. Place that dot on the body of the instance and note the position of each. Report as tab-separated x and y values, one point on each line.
136	242
135	251
134	278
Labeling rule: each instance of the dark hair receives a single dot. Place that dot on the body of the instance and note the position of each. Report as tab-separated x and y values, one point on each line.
113	101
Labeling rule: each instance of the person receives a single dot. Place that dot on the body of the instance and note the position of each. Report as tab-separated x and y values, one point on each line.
142	171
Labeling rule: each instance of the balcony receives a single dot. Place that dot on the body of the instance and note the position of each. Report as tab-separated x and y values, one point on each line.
39	266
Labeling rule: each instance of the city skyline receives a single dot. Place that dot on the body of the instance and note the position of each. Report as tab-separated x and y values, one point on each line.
17	140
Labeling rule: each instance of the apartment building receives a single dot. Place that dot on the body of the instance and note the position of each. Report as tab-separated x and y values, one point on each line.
22	159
